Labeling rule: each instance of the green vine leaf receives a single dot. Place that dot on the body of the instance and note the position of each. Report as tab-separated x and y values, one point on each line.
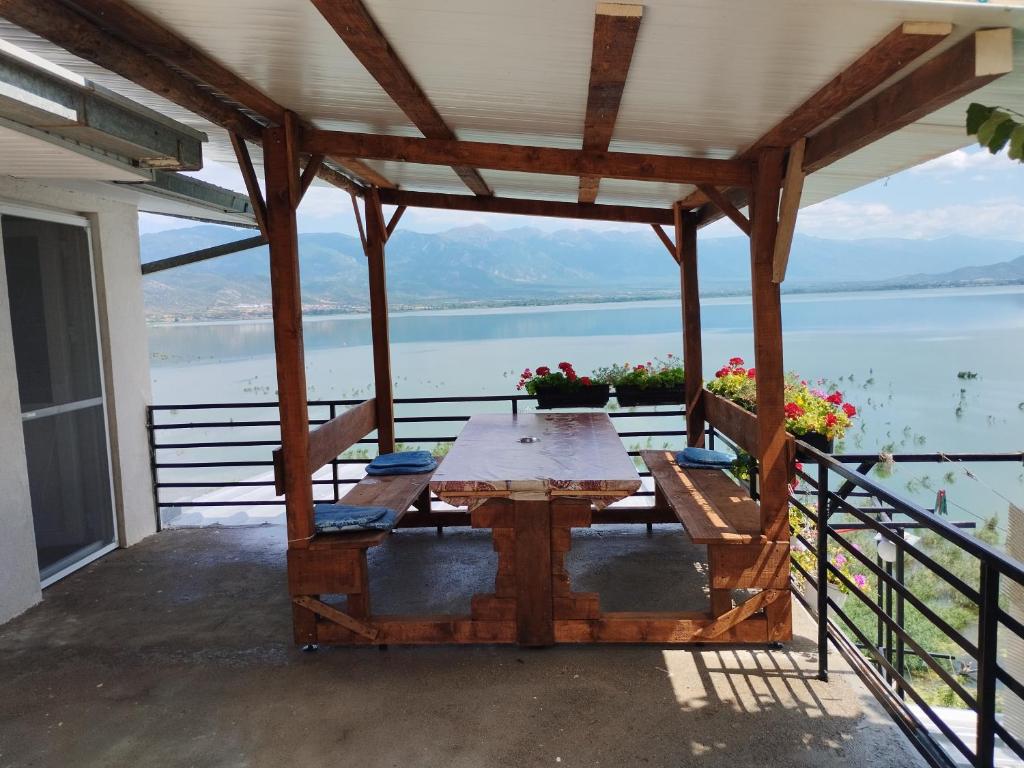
977	114
987	133
1017	143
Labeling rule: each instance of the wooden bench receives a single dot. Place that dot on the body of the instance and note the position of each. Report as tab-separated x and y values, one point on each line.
335	563
720	514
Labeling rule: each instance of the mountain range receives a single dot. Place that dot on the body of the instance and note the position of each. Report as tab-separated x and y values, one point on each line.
477	265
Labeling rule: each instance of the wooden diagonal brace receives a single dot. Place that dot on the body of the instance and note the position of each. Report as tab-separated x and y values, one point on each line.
252	185
725	206
740	613
395	217
793	187
338	617
663	236
309	173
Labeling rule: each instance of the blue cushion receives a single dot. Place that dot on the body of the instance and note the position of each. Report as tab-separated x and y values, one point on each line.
702	458
334	518
402	463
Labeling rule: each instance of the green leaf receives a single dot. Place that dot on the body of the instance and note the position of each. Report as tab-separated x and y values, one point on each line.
988	128
1001	135
977	114
1017	143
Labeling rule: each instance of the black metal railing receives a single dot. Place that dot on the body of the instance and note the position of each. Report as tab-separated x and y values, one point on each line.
907	647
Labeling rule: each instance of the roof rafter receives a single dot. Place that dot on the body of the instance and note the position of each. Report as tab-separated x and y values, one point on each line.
101	31
975	61
364	38
615	30
886	58
529	159
513	205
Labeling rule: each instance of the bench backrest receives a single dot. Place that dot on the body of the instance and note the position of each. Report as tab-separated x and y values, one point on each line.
332	438
740	426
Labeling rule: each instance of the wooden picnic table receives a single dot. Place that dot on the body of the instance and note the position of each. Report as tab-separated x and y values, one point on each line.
531	478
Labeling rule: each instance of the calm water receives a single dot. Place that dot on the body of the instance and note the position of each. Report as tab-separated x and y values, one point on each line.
895	355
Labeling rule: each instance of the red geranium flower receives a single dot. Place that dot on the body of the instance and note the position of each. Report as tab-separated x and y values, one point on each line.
751	374
849	410
543	371
565	366
835	398
830	420
793	411
639	368
570	374
585	381
735	361
528	375
721	372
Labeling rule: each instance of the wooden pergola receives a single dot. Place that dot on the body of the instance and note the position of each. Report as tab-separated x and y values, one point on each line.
917	68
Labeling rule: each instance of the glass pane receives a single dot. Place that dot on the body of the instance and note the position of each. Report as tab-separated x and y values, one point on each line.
49	279
70	486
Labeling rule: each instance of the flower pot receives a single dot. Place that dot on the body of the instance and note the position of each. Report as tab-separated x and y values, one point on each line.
817	440
629	396
593	396
811	595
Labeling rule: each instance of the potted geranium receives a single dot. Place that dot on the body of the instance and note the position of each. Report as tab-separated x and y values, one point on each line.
813	415
563	388
658	382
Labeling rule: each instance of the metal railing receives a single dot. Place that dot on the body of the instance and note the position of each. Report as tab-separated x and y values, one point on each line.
874	629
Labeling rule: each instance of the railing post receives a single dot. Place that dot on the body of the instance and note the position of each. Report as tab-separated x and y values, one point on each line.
334	461
155	482
988	625
901	656
822	575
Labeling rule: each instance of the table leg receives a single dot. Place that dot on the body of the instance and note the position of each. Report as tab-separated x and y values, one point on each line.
567	514
533	573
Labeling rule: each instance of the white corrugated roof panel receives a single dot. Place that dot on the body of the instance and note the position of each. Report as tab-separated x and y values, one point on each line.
708	77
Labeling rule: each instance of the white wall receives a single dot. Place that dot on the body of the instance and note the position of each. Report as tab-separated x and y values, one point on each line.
115	242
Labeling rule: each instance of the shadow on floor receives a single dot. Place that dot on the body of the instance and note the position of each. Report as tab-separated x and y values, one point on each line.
177	652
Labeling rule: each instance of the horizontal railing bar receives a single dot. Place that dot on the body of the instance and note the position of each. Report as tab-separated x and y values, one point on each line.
904	684
930	458
974	546
918	554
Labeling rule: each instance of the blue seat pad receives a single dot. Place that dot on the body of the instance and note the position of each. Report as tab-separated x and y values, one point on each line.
403	463
335	518
702	458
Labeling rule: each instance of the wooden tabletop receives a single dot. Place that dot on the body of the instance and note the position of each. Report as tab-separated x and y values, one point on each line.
576	454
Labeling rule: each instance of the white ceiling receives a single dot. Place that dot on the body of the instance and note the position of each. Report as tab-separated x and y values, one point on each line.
708	76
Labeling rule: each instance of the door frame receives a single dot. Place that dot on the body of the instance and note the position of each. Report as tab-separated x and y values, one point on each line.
61	217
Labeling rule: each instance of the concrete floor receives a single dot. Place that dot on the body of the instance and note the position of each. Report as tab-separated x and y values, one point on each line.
177	652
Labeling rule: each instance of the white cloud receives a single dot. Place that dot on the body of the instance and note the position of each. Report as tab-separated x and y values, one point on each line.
977	160
999	218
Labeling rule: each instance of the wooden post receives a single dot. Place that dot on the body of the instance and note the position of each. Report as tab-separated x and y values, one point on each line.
376	237
282	177
686	255
773	472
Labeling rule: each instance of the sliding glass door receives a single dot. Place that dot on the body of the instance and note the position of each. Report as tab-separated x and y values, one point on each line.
60	383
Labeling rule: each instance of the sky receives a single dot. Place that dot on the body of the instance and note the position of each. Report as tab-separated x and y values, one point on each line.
967	192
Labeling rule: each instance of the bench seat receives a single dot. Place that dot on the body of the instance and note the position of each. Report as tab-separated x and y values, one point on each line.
712	508
395	492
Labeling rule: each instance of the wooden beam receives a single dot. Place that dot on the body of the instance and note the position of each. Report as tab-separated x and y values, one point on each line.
886	58
252	185
792	189
523	207
203	254
693	356
286	298
359	223
663	236
395	218
354	25
977	60
309	173
527	159
120	23
615	29
773	474
376	237
75	33
725	206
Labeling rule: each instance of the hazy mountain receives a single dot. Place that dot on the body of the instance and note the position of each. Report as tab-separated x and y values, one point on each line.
480	265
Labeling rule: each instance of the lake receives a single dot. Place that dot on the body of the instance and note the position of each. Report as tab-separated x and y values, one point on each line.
895	355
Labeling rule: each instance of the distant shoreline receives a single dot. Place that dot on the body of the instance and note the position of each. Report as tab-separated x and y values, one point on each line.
262	313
